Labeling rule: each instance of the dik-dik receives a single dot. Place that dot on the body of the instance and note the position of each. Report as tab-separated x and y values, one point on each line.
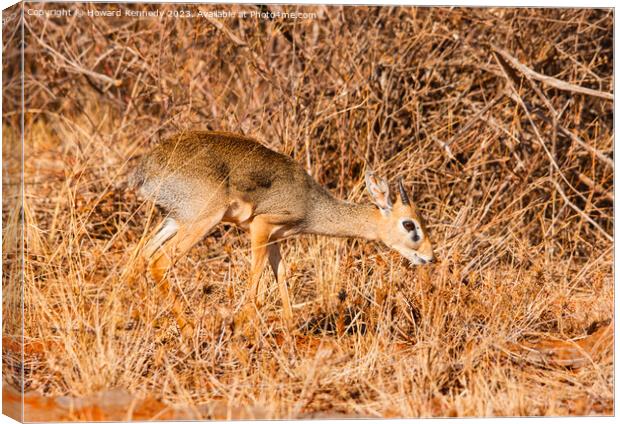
203	178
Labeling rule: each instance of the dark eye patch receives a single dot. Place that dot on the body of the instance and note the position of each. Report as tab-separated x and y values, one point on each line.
409	226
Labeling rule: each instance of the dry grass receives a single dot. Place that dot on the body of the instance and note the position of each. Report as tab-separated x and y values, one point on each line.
512	174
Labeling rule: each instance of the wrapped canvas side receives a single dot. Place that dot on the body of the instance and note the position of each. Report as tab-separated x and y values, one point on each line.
12	212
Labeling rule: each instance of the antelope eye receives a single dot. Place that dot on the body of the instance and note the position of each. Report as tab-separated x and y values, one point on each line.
409	226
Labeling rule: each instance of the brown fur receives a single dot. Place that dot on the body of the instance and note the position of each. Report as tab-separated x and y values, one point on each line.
218	168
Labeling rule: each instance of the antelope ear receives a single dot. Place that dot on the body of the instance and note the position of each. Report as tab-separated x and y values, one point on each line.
379	191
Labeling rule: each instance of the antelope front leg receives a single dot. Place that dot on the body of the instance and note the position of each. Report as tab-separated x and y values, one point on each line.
279	269
259	233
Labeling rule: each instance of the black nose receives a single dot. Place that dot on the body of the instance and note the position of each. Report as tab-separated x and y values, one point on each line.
431	260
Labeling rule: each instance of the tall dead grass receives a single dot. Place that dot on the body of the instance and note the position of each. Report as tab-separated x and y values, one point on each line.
513	174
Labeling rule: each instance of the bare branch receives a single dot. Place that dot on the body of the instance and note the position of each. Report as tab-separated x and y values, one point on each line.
554	82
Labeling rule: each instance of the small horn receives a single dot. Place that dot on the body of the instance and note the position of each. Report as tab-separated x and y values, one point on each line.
403	194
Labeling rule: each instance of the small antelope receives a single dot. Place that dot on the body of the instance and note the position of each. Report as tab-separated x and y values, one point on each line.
203	178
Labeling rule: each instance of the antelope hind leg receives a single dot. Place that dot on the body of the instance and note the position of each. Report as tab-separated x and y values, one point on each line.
279	269
169	251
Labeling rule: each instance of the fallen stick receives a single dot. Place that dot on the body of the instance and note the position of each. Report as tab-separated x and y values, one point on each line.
554	82
564	353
